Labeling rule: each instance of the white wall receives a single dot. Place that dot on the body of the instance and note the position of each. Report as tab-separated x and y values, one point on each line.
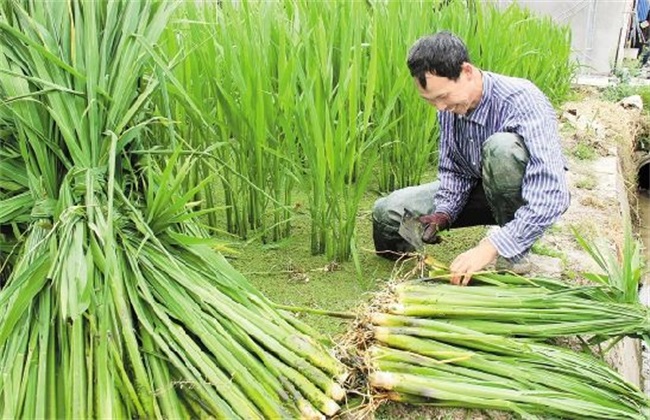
598	28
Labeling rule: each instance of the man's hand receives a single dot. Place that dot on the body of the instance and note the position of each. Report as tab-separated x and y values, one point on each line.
434	223
468	263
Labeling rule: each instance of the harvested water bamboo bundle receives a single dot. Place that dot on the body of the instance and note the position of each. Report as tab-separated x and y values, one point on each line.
511	305
453	346
526	310
115	304
445	365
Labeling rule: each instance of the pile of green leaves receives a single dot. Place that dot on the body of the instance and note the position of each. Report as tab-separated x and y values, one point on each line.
115	305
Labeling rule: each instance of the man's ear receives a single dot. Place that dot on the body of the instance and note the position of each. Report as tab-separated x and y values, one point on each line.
468	69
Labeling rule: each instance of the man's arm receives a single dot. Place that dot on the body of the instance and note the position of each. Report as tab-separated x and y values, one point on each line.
544	187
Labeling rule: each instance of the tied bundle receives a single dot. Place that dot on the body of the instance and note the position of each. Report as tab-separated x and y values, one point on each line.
115	305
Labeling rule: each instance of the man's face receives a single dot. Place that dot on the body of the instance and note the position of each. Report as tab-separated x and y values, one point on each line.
456	96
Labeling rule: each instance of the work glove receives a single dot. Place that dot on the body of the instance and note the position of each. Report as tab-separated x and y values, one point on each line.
434	223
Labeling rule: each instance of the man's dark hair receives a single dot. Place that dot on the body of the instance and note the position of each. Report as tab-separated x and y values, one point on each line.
442	54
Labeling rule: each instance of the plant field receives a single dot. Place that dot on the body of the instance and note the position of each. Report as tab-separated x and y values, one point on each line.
290	98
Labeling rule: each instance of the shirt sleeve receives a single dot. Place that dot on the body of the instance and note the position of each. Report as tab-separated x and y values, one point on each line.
544	186
455	183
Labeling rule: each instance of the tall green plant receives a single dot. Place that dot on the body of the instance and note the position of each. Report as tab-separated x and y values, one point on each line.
623	267
15	198
237	66
337	132
408	146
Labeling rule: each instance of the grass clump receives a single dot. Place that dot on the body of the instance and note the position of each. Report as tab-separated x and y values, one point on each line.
586	183
543	249
584	151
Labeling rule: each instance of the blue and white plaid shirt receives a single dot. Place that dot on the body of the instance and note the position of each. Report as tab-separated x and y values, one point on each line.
507	105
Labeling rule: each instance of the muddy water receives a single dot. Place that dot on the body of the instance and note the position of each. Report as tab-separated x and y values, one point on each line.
644	231
644	226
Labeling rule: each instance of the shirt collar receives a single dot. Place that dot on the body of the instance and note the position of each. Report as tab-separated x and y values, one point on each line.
480	113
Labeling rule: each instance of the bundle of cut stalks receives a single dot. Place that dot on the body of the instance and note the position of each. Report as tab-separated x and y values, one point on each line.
536	381
453	346
426	361
524	308
115	305
540	308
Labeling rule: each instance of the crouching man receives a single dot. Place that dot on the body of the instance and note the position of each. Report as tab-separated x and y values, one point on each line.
500	162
